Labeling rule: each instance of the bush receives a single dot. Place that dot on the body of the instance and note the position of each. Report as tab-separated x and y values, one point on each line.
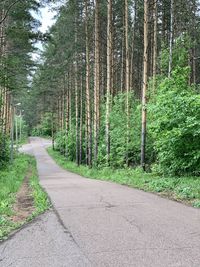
4	151
175	125
66	145
45	127
120	150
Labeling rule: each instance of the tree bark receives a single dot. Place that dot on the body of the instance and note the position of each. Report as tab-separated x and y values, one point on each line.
109	79
88	107
76	95
127	79
171	37
96	82
81	121
155	45
144	88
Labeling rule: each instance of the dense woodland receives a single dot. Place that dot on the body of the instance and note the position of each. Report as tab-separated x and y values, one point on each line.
117	83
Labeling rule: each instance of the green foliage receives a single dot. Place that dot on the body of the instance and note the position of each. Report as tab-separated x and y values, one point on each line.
124	142
45	126
4	151
60	141
175	125
66	145
179	56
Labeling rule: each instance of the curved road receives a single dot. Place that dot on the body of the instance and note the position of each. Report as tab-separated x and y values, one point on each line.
102	224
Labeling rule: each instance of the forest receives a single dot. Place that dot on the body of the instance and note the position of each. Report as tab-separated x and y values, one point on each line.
100	133
116	85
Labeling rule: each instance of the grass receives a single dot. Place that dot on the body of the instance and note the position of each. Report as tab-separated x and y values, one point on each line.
41	201
11	178
183	189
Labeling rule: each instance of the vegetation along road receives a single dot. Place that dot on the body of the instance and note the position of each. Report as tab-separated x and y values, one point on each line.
104	95
100	223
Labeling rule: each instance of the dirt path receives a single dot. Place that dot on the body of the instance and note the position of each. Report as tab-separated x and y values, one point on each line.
113	225
24	203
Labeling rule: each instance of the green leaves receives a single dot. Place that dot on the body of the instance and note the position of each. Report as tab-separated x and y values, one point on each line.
175	125
4	150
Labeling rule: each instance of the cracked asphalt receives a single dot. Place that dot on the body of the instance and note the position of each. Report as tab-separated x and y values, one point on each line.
98	223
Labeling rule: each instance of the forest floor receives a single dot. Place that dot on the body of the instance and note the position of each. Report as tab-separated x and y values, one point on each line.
101	223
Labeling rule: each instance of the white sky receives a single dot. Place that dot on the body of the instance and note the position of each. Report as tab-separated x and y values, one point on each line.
46	17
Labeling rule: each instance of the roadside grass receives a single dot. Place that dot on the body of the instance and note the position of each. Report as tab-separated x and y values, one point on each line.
11	179
23	141
182	189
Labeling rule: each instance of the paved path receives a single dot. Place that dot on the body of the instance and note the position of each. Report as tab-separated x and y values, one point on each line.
104	224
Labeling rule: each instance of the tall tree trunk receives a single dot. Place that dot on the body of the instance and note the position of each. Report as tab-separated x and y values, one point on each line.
67	116
171	37
88	107
132	76
155	45
127	79
81	121
122	57
53	129
144	88
96	82
70	101
109	78
76	94
194	65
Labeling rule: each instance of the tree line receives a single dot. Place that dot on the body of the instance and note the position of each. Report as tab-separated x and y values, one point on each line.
118	85
18	34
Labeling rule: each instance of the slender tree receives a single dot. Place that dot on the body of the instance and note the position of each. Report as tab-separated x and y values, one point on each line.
171	37
109	78
127	77
96	81
144	87
155	19
88	101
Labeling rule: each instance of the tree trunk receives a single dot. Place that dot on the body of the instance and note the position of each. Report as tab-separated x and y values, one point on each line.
127	80
81	121
171	37
67	116
144	88
88	107
155	45
109	79
132	52
96	82
76	95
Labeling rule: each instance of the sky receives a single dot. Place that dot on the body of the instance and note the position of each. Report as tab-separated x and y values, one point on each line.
46	17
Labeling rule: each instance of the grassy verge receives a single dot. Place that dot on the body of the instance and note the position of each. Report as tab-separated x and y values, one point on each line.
183	189
11	180
41	200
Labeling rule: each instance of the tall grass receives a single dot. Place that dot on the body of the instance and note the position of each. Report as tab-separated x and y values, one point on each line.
11	179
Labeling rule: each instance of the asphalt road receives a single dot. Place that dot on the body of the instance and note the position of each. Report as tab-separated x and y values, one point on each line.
100	223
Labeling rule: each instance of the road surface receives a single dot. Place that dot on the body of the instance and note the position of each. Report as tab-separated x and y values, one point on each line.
98	223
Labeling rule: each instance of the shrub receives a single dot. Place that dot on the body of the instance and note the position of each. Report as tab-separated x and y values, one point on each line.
175	125
45	126
4	151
